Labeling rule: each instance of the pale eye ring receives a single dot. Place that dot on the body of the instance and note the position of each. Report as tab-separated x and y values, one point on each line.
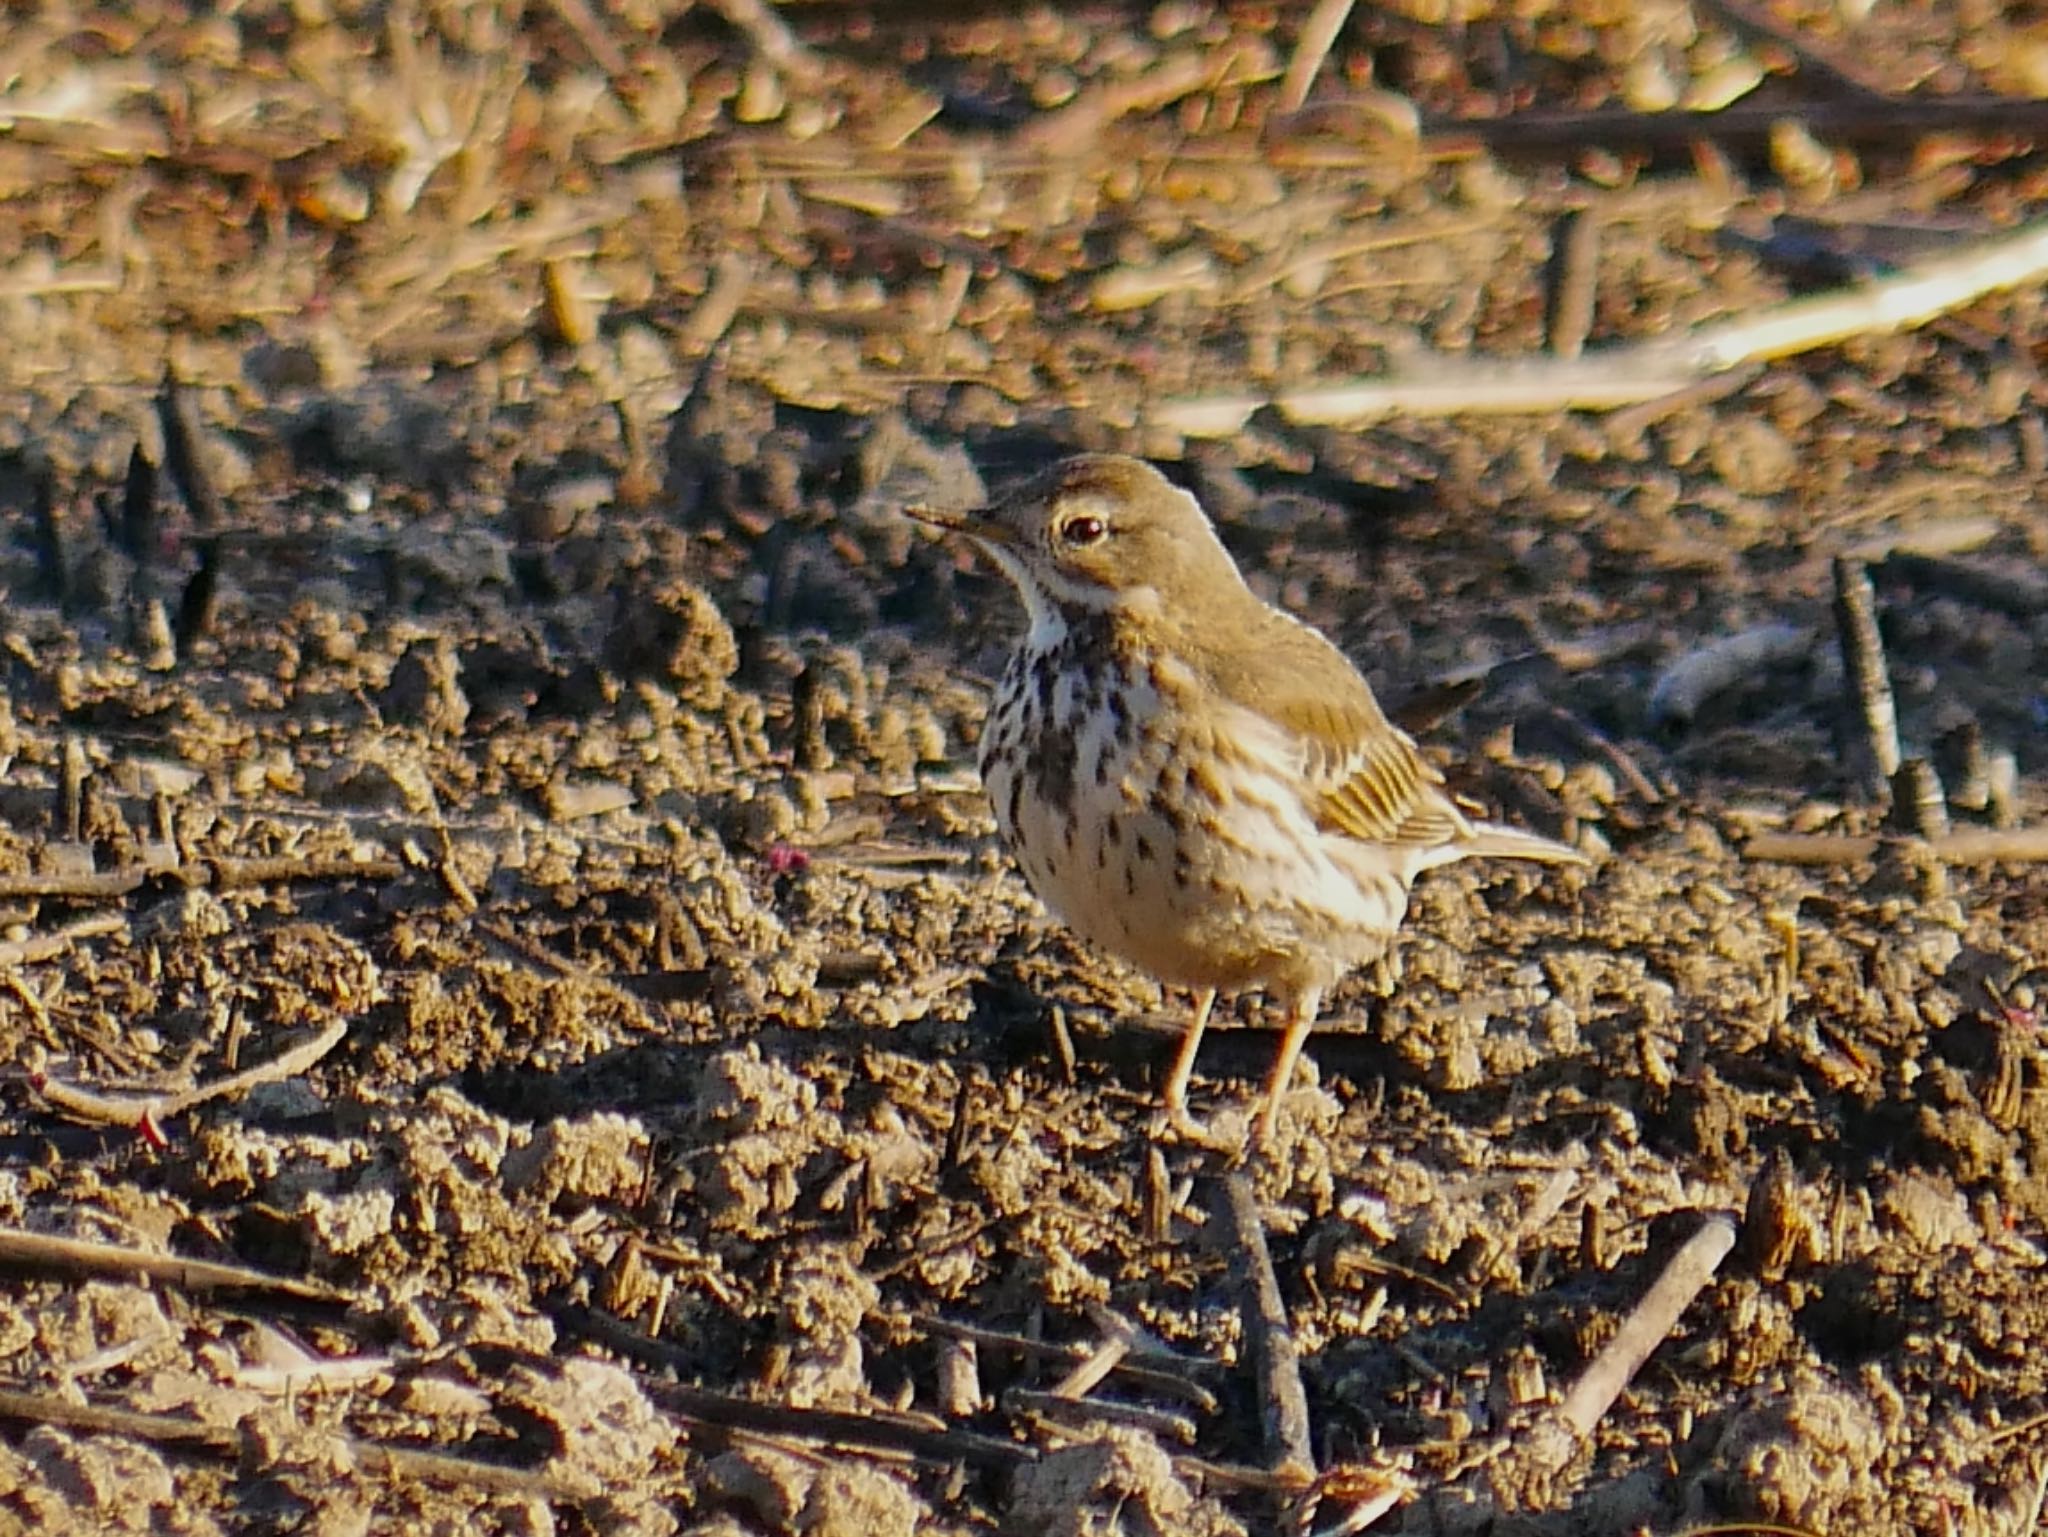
1083	530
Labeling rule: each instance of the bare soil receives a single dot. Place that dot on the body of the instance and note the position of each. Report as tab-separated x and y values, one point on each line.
502	651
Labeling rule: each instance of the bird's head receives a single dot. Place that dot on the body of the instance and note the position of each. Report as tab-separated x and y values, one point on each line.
1101	532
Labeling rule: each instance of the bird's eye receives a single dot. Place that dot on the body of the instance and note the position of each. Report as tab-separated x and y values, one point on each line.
1082	531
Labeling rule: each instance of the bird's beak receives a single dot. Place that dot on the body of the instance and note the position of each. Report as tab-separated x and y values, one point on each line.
971	521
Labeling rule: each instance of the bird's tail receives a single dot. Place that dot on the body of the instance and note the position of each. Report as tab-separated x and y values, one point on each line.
1490	840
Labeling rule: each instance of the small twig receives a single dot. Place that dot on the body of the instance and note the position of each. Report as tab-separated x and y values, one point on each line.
1690	1269
1240	1476
1080	1411
1354	1260
1300	257
1577	282
1063	1044
79	1257
1863	660
184	457
2031	1521
51	565
945	1243
1969	765
1918	805
1172	1378
1897	120
333	1376
1972	846
1688	1273
1434	385
2016	1429
226	1441
595	36
959	1378
198	603
72	775
924	1438
528	948
1423	1366
1544	1205
136	532
1148	1366
1814	56
1311	46
228	874
960	1128
2005	588
1024	1344
532	950
1269	1340
148	1109
1158	1225
1102	1359
1591	739
44	947
1369	1491
732	275
79	886
1681	691
1130	287
840	1427
1626	426
770	35
1440	385
220	874
1082	121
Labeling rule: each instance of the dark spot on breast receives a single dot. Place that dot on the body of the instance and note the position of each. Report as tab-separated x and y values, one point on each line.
1045	670
1056	746
1143	846
1052	765
1115	831
1016	797
1169	810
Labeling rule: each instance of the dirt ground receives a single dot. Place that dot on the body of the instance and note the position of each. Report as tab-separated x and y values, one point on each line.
493	700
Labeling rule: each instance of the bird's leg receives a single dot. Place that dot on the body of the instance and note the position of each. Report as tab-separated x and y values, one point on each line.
1301	1018
1184	1062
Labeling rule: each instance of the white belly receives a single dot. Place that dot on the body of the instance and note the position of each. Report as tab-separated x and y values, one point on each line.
1136	856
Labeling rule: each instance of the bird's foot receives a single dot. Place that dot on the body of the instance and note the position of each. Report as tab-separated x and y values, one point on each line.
1172	1123
1302	1108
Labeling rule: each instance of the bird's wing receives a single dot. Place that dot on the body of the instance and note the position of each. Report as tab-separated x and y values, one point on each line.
1364	776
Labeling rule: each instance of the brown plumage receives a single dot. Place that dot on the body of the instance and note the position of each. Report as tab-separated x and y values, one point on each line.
1188	776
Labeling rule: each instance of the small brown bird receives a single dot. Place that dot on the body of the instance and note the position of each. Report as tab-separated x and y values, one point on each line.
1188	776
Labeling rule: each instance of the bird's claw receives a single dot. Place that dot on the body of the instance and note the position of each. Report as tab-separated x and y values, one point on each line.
1173	1123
